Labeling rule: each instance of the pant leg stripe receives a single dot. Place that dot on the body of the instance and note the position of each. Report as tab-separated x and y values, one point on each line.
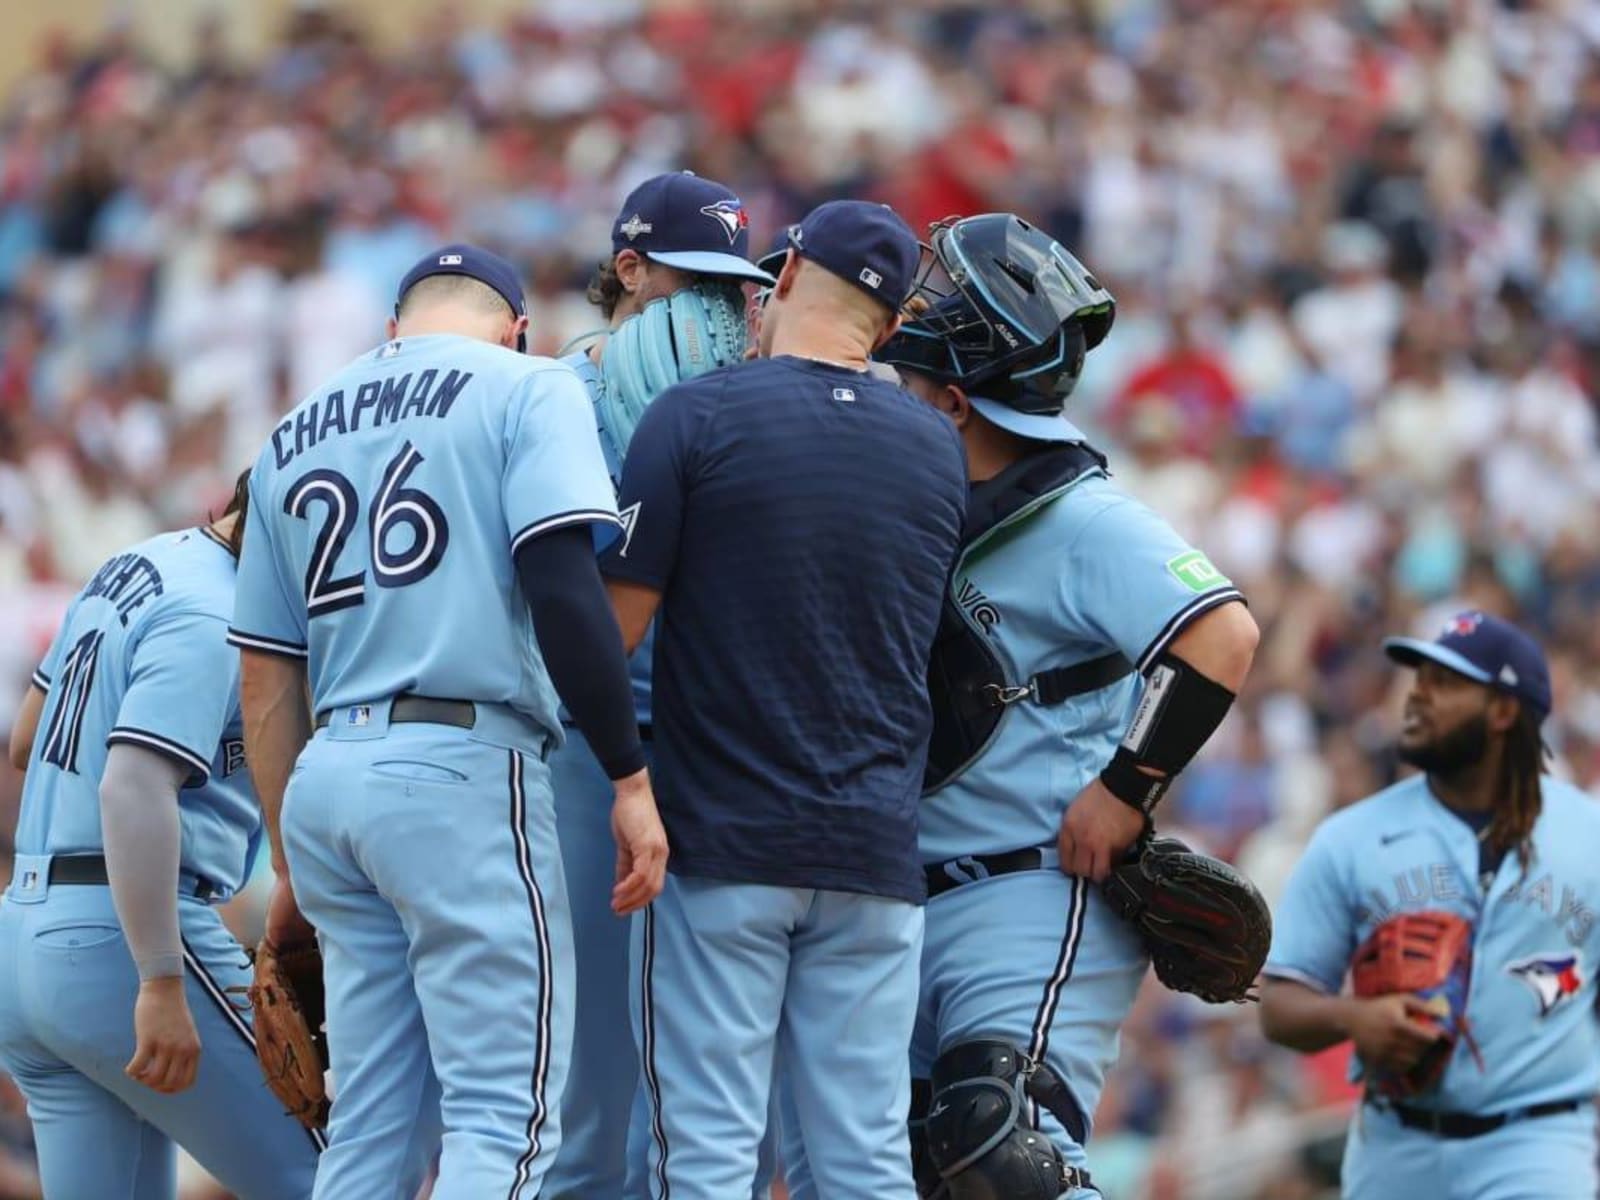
541	1059
658	1128
219	997
1058	979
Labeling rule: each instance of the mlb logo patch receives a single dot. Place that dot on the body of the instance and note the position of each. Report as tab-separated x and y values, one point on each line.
844	395
871	278
358	715
449	260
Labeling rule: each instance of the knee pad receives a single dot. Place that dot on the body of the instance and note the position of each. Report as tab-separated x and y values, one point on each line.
979	1139
922	1168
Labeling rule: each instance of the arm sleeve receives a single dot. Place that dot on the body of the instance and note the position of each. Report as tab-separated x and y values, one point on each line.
139	821
555	472
269	610
655	483
183	686
1313	931
581	644
1136	583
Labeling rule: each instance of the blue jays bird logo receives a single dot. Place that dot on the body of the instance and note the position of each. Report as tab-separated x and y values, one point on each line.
1462	625
1554	978
730	214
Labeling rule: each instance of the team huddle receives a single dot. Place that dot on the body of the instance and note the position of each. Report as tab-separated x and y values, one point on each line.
782	678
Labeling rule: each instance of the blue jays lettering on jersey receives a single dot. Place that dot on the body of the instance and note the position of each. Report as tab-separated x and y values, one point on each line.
1536	941
140	658
1081	571
429	452
817	510
639	665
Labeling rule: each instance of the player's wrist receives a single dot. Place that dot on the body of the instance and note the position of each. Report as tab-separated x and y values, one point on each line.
164	980
1126	779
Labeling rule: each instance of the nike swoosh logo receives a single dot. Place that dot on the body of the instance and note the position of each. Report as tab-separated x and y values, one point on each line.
1386	838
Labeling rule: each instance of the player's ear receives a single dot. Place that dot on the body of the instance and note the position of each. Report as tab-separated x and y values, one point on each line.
630	268
519	331
787	273
1503	711
391	327
953	402
889	330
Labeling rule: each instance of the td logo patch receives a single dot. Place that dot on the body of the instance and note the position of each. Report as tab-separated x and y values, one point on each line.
1194	570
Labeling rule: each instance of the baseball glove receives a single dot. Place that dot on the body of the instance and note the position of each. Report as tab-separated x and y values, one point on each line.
1430	955
287	998
1205	925
692	331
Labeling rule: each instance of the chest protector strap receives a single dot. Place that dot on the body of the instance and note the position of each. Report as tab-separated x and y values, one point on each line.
967	682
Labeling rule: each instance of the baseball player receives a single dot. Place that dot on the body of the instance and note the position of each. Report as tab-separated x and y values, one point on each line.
414	523
1086	653
677	239
138	818
793	520
1479	834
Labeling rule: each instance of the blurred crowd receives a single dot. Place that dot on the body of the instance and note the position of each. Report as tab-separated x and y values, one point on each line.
1355	246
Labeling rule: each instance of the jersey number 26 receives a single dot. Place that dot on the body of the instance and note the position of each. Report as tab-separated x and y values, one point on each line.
394	506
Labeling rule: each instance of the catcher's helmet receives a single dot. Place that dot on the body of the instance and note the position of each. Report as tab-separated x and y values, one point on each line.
1011	315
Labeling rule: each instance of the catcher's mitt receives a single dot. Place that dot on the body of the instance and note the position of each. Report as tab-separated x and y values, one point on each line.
1430	955
1205	925
288	999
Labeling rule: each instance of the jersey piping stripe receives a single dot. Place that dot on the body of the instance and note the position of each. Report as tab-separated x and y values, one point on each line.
541	1058
233	1017
652	1077
143	737
1273	971
578	516
259	641
1195	608
41	681
1058	980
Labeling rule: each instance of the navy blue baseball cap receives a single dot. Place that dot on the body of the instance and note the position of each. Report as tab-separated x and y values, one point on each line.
475	263
1486	650
772	261
864	243
693	224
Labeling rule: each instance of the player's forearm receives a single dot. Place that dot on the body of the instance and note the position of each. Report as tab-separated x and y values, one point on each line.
277	726
582	645
143	839
26	726
1302	1019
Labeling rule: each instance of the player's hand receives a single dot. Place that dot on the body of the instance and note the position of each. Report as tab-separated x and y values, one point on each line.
166	1057
641	845
1096	831
1391	1033
286	924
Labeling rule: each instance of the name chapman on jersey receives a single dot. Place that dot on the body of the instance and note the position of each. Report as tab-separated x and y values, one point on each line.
394	398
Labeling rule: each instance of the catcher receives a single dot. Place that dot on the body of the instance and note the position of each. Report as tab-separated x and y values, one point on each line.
1462	903
1086	653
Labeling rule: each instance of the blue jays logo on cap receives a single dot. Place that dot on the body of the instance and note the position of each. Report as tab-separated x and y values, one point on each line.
1485	649
1555	979
730	215
1462	625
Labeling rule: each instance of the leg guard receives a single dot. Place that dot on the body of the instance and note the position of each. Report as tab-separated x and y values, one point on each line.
979	1136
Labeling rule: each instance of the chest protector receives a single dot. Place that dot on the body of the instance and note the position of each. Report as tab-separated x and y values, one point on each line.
967	682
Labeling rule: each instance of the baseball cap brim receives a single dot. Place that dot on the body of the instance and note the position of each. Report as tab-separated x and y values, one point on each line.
1408	652
1035	427
708	262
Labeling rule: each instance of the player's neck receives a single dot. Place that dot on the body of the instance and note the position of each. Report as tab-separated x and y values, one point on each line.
809	333
1471	788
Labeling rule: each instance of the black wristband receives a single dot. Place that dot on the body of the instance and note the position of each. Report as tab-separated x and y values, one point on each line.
1125	781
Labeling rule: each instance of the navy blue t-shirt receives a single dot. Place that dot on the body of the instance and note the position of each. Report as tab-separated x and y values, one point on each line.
800	521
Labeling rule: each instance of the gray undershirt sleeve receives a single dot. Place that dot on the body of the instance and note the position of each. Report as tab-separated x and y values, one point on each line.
139	821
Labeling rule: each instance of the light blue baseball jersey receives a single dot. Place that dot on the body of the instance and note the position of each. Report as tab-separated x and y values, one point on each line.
1531	1001
426	453
142	658
639	664
1070	577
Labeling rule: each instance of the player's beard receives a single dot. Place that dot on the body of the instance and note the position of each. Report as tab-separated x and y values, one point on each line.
1449	753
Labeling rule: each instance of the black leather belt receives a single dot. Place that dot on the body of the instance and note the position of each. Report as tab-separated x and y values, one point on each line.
418	710
970	868
1469	1125
90	869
